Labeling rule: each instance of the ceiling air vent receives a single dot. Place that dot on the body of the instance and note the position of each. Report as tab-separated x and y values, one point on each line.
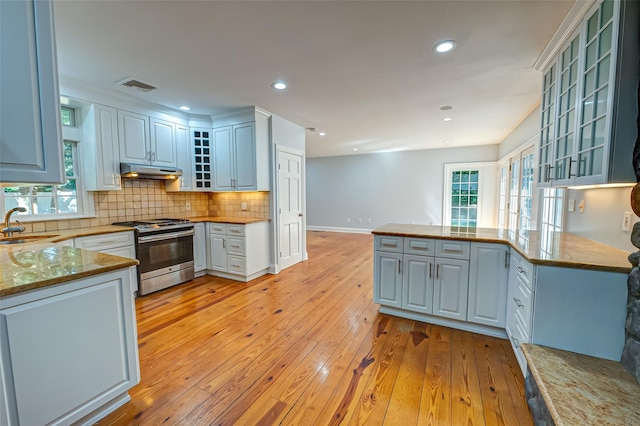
134	83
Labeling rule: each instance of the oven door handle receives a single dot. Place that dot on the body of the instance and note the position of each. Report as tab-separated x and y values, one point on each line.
168	236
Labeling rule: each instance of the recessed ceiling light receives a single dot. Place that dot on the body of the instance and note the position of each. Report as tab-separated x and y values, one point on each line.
445	46
322	133
446	108
279	85
355	149
185	108
447	142
447	119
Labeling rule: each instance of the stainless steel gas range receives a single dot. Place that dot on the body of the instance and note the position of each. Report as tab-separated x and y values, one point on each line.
164	248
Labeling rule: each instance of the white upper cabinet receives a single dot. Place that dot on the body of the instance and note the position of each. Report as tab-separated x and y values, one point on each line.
134	137
184	161
146	141
30	134
163	145
589	101
241	151
99	149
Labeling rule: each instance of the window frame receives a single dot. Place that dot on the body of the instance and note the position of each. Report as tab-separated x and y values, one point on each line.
484	169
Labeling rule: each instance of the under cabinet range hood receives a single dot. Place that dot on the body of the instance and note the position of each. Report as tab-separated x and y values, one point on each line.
144	171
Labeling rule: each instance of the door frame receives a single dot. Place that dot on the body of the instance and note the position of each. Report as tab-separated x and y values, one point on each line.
276	265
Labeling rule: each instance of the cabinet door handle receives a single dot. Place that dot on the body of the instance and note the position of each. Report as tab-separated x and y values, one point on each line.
399	267
518	303
437	271
430	270
224	243
506	259
521	270
570	163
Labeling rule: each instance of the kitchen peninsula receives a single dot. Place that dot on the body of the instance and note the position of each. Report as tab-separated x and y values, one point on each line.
53	301
554	289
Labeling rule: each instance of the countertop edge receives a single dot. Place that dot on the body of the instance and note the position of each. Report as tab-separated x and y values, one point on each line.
533	260
531	365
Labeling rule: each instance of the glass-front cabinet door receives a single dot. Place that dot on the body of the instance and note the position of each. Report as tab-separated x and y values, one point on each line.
589	104
594	100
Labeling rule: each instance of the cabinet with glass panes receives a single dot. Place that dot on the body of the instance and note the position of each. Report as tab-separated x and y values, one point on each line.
202	159
589	100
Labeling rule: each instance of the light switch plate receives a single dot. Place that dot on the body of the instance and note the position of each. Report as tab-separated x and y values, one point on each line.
627	219
572	206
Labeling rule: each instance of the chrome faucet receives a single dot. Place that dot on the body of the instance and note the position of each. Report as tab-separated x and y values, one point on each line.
8	230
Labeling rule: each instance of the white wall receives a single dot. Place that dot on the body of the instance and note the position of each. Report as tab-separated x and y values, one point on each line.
527	129
602	217
396	187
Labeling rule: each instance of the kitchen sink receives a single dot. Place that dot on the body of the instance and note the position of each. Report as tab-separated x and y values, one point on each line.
24	239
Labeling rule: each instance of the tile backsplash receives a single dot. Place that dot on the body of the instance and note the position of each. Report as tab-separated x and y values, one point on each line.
230	204
147	199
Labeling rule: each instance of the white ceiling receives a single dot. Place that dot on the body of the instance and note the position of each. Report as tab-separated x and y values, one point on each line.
364	72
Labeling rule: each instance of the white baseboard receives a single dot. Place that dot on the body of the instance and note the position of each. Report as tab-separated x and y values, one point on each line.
339	229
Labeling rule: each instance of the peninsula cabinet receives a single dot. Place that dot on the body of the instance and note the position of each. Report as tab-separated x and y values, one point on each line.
30	134
488	284
99	149
573	309
589	99
69	351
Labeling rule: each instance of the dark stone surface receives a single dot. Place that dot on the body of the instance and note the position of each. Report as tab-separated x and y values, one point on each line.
537	407
632	325
634	258
633	282
631	357
635	235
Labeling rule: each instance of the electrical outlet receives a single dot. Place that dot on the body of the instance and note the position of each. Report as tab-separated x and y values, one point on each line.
187	206
348	220
627	221
368	220
243	206
359	220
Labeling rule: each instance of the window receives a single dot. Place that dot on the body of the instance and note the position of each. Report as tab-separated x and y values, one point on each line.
552	215
464	198
49	199
516	187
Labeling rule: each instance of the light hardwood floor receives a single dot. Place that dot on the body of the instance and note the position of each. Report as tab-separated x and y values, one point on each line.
308	346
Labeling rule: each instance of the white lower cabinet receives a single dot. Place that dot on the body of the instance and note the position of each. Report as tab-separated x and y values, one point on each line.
388	277
450	289
417	283
199	248
115	243
488	284
69	351
239	252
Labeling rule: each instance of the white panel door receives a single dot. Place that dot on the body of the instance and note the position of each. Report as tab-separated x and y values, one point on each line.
387	279
222	159
450	288
417	283
218	252
245	157
134	137
488	284
163	147
290	208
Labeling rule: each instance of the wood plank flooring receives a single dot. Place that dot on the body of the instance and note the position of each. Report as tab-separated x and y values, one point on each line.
308	346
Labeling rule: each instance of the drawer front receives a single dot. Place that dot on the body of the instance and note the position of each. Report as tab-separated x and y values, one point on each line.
237	265
523	268
517	338
523	300
389	243
420	246
105	241
237	246
217	228
235	230
453	249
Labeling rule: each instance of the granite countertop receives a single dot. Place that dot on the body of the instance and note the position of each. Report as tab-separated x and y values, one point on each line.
225	219
542	248
580	390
